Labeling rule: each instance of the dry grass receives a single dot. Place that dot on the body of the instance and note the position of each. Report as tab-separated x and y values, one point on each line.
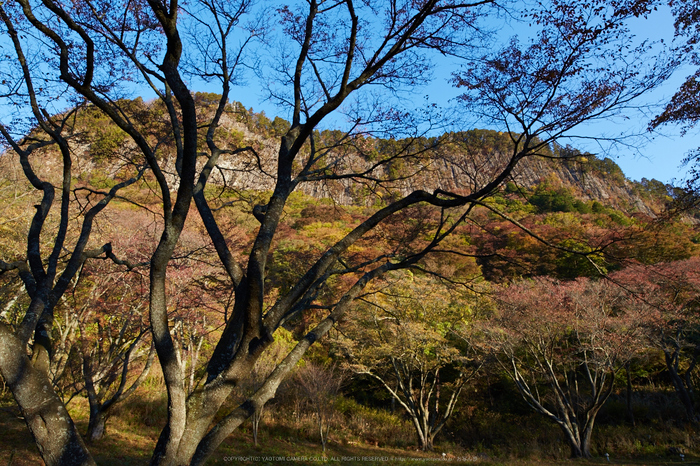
16	445
360	436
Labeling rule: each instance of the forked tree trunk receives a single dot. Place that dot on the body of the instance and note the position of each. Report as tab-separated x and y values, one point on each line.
101	410
419	432
423	410
429	444
580	443
425	436
575	417
586	441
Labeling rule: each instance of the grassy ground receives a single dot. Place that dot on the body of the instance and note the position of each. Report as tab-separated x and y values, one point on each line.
366	437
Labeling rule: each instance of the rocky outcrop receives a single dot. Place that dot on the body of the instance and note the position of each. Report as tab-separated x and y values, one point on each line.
462	165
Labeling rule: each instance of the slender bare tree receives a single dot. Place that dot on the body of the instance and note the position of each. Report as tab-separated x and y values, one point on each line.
413	338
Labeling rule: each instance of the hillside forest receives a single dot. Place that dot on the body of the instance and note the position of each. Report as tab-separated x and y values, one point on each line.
574	305
185	281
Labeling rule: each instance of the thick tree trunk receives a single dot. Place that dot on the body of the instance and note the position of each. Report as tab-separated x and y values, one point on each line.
427	438
575	444
580	443
96	425
52	428
423	432
166	450
266	392
429	445
576	451
586	441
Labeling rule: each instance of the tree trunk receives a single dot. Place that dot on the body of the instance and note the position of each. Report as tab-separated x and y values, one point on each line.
577	443
576	451
322	433
96	424
580	444
422	438
429	445
52	428
630	413
256	424
681	390
586	441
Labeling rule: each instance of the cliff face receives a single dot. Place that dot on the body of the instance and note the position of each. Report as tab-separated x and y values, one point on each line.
611	189
462	168
461	162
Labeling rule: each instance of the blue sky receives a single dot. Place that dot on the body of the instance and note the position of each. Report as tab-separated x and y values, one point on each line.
659	156
654	155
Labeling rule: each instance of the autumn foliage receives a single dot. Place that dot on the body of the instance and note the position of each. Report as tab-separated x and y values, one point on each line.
188	230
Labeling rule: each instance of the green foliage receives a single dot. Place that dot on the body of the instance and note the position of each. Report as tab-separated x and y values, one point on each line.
606	168
106	140
100	132
206	99
597	207
557	199
653	189
655	242
483	141
570	265
279	127
511	188
229	137
101	180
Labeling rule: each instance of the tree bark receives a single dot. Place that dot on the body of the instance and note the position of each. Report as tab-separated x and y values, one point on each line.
578	446
419	431
48	420
96	425
429	445
256	424
681	390
586	441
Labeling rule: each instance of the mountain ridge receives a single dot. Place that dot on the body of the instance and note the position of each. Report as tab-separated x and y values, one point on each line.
459	162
